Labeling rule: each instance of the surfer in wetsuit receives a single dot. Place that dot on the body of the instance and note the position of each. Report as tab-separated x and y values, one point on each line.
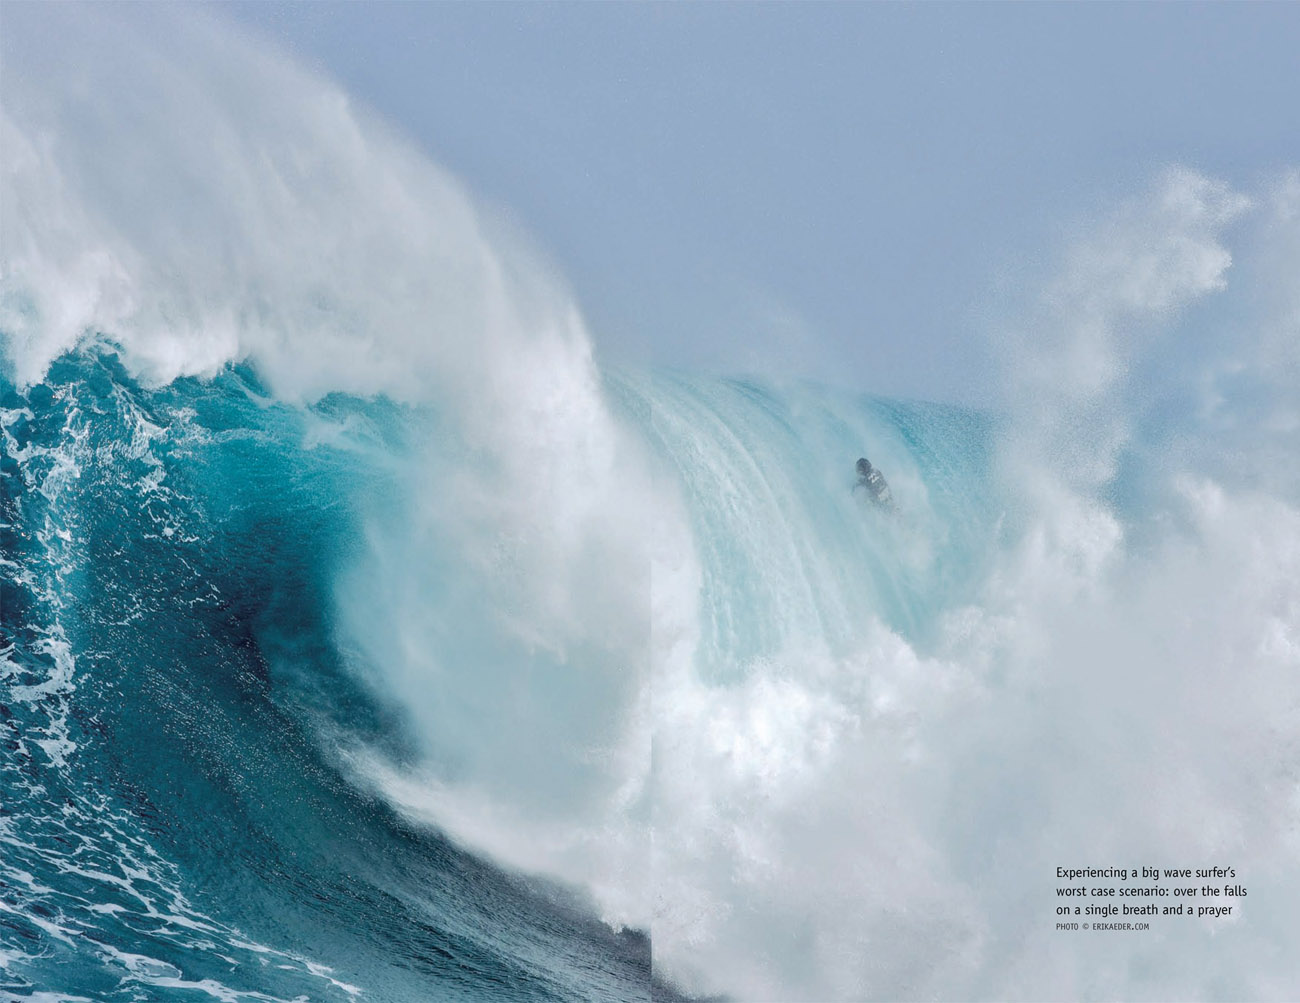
873	482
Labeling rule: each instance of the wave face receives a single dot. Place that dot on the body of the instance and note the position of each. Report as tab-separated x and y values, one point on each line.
187	692
194	682
171	819
364	638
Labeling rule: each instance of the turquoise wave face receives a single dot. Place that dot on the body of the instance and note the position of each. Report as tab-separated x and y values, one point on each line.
172	819
792	557
182	669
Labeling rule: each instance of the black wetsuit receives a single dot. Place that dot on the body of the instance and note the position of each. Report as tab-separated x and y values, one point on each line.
873	482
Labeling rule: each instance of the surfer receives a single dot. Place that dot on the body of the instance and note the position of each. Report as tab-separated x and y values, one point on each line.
873	482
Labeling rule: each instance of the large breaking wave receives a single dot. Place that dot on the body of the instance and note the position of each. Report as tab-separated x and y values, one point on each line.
364	637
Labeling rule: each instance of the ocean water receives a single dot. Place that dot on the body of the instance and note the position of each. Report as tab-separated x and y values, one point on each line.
366	634
170	667
180	677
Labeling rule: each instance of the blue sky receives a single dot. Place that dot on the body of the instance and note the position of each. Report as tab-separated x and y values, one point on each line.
849	192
